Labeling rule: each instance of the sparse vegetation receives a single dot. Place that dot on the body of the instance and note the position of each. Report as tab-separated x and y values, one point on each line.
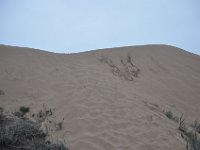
1	114
191	136
182	126
196	126
129	70
24	109
193	142
1	92
23	134
44	114
60	125
171	116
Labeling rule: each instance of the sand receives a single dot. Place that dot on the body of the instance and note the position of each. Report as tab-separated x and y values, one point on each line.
105	105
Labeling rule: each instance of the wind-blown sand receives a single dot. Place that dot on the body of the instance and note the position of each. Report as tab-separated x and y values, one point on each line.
106	106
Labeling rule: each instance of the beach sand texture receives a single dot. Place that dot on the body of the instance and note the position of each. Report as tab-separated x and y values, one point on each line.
108	99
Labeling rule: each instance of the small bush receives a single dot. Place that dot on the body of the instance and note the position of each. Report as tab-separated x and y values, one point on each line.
2	92
193	142
60	126
196	126
24	109
169	114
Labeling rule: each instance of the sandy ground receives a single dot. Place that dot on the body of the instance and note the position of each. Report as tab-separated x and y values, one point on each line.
106	106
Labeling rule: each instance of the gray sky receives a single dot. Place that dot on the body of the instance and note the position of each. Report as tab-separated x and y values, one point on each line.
69	26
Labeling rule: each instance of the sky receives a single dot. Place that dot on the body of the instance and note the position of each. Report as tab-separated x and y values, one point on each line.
70	26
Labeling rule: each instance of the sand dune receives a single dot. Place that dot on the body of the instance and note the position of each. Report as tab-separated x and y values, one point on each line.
110	99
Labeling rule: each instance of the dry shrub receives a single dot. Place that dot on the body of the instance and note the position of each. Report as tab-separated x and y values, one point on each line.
21	133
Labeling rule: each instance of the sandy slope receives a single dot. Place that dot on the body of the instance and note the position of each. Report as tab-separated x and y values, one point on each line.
101	109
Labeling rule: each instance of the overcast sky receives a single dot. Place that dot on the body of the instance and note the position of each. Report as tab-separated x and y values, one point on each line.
69	26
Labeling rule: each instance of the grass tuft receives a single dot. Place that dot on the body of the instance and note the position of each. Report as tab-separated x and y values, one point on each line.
24	109
169	114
